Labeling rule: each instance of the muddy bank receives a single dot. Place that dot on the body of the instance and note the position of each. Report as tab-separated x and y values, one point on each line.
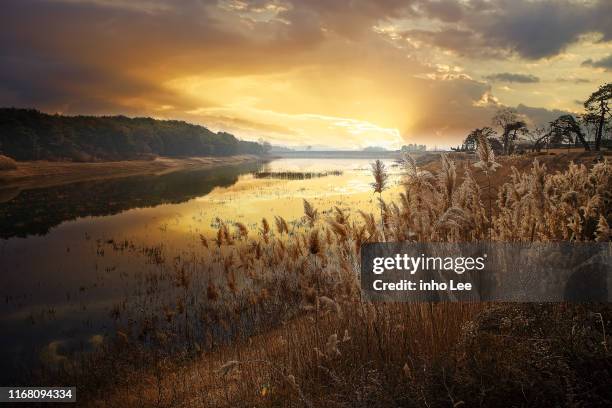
37	174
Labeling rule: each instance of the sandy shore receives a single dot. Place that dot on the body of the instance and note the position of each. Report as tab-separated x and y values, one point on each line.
36	174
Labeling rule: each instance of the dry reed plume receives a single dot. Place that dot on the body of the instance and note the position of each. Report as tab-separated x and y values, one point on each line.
321	344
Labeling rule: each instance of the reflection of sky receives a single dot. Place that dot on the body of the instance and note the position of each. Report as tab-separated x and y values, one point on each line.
58	288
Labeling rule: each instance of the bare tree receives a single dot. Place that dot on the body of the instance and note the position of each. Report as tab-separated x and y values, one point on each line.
597	104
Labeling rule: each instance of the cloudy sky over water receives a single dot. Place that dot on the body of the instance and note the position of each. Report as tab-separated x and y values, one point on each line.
341	73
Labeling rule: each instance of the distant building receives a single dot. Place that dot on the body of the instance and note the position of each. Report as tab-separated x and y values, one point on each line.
413	147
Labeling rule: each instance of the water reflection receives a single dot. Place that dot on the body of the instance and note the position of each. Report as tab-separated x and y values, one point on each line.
35	212
72	253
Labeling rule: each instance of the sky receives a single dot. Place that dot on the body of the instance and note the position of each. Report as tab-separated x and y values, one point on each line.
336	73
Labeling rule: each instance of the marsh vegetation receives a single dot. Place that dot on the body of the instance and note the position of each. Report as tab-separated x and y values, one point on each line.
270	313
295	175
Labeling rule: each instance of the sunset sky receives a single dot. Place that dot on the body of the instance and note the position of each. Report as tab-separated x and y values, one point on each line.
338	73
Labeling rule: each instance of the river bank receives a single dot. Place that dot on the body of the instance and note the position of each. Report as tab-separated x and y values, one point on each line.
37	174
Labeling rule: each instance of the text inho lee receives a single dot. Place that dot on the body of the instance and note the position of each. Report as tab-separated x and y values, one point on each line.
431	285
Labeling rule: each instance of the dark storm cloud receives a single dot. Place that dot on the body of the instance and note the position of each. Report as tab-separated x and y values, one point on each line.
604	63
537	29
512	77
530	29
33	81
167	35
95	55
96	32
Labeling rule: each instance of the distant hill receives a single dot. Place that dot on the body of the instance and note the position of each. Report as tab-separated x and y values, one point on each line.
27	134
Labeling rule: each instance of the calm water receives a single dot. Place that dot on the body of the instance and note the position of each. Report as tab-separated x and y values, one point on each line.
69	253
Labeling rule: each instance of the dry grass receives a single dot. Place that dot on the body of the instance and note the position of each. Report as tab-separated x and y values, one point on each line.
294	330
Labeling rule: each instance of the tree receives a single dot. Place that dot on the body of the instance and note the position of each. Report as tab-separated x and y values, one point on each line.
469	144
32	135
413	147
486	133
265	146
508	121
597	104
564	126
538	137
590	123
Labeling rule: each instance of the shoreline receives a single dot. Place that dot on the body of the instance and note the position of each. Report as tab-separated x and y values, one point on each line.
39	174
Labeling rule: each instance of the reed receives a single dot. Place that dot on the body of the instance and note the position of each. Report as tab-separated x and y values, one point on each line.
295	175
278	319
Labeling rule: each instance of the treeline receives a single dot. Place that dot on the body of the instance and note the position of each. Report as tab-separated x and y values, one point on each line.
27	134
510	133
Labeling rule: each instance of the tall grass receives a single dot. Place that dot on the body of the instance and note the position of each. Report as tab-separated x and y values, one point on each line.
277	318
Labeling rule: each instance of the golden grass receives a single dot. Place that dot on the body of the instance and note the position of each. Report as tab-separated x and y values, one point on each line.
297	332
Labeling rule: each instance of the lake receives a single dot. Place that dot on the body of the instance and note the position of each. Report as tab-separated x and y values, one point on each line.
69	255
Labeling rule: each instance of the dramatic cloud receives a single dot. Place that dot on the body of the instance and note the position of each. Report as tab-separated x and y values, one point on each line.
336	72
605	63
510	77
529	29
539	116
538	29
460	41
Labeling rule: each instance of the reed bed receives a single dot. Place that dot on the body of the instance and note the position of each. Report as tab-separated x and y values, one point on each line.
274	316
296	175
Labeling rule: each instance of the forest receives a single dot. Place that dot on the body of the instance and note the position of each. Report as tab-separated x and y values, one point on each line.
28	134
